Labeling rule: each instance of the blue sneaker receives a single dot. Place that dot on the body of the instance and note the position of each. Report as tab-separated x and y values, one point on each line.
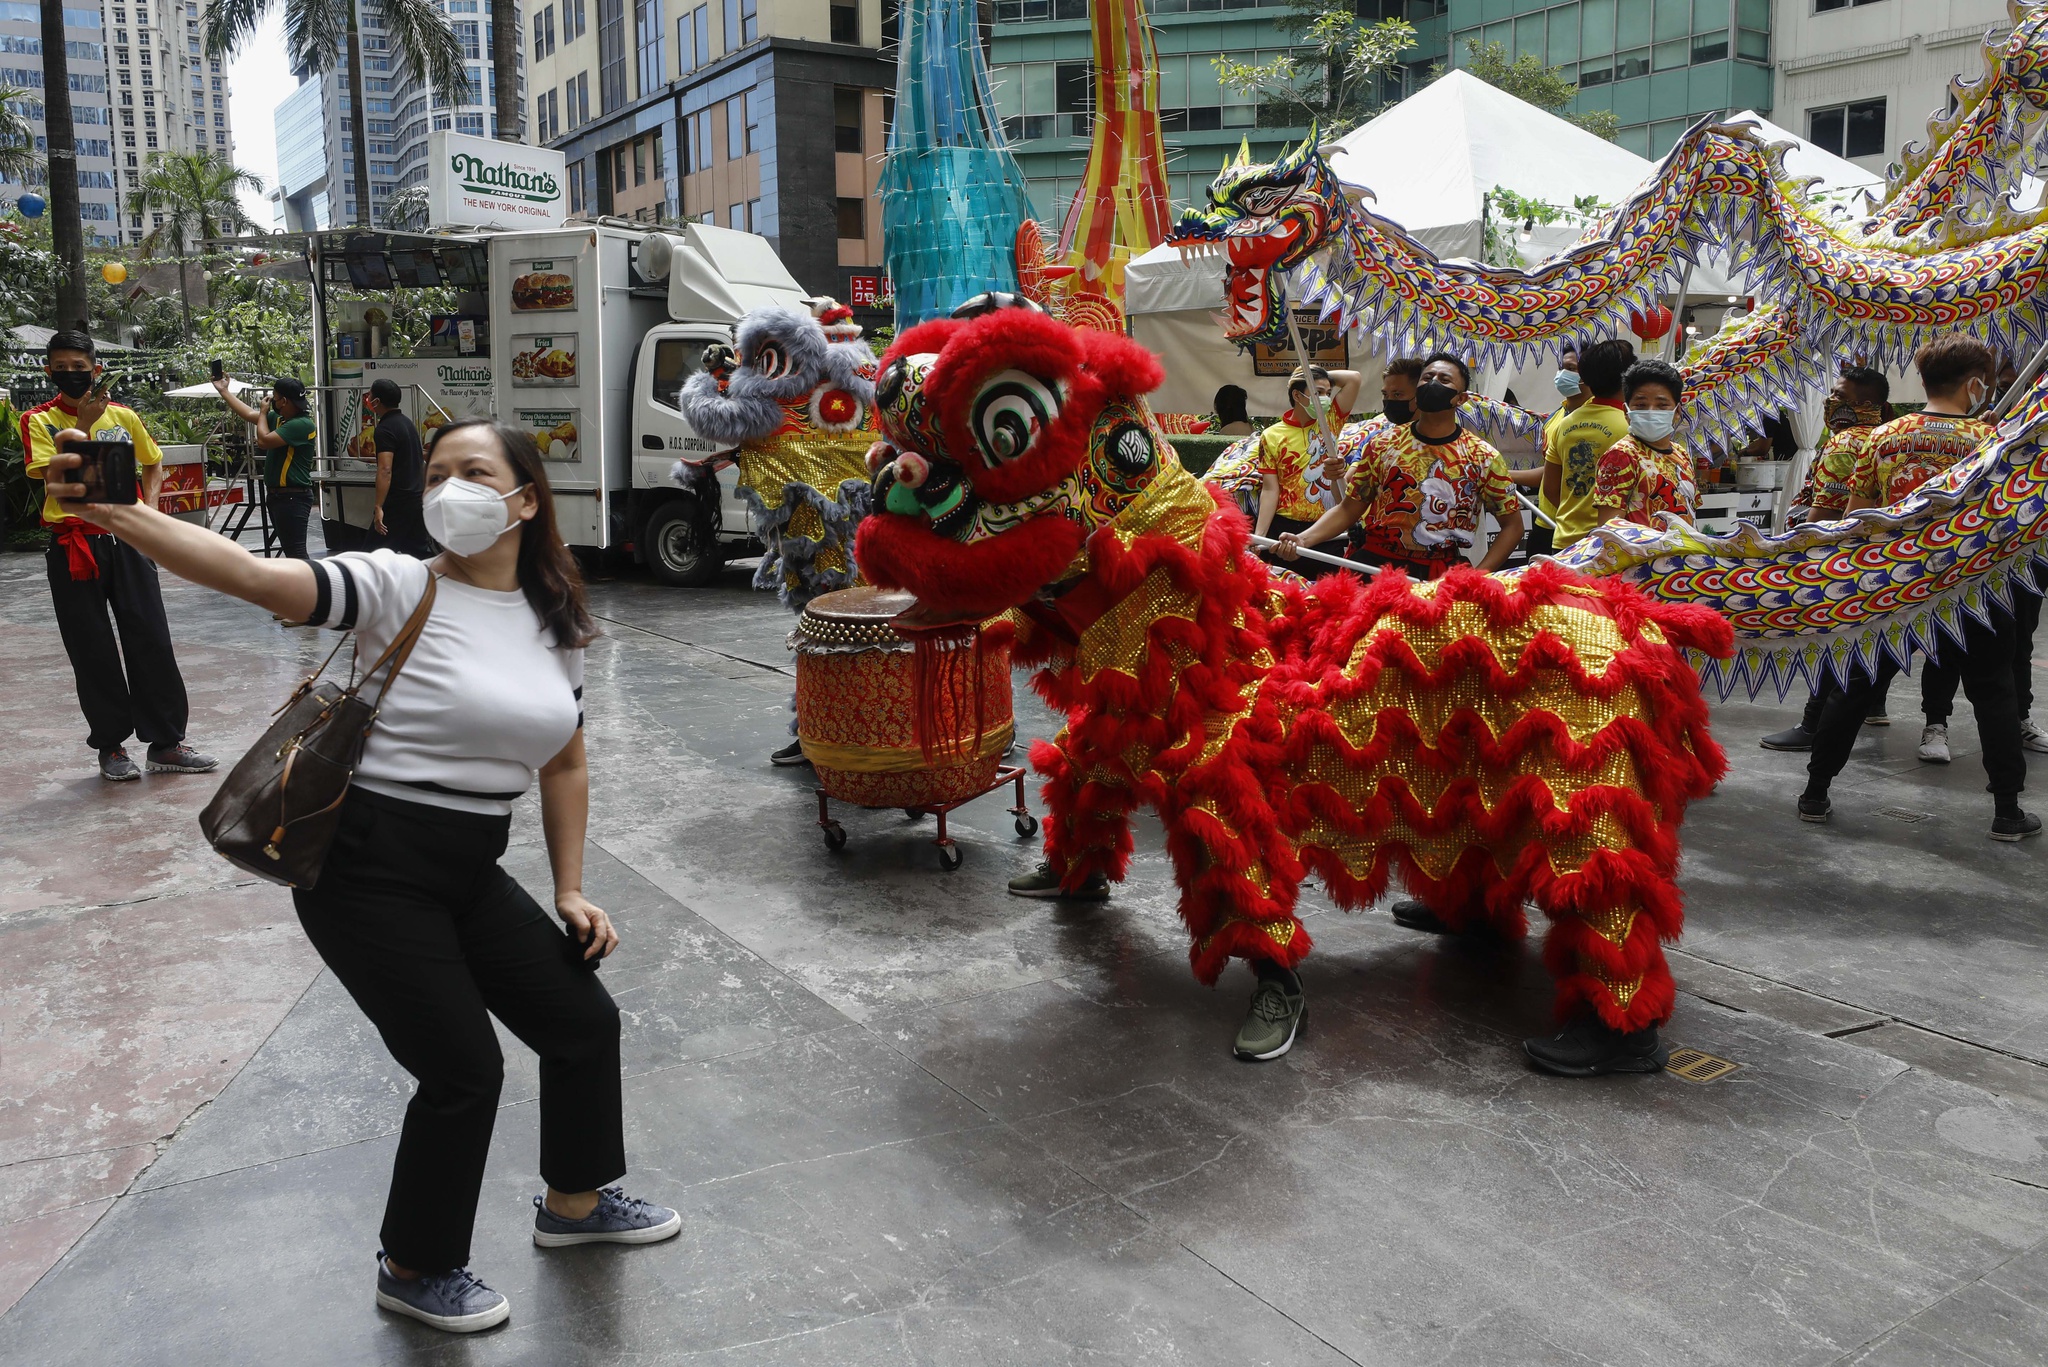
618	1219
454	1300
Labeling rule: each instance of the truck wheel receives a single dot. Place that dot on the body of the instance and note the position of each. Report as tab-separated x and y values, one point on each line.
679	547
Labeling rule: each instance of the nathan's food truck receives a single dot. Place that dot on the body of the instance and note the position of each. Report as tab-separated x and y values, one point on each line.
582	333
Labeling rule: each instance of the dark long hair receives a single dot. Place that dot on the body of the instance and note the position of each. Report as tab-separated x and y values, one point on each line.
547	572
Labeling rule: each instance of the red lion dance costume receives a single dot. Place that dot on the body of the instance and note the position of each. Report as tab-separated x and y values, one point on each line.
1492	739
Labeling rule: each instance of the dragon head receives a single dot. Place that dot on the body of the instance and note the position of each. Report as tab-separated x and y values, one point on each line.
1264	219
1008	437
786	374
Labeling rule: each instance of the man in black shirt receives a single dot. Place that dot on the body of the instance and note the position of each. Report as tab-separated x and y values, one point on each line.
401	475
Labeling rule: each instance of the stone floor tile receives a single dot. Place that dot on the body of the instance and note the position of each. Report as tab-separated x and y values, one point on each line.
30	1247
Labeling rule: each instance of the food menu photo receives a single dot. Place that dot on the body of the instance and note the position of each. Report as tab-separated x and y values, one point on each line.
554	431
543	285
544	359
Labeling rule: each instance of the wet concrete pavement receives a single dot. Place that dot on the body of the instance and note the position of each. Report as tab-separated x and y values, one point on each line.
908	1118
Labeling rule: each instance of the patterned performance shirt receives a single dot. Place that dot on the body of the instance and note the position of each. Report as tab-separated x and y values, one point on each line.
1636	482
1907	452
1293	455
1423	499
1834	468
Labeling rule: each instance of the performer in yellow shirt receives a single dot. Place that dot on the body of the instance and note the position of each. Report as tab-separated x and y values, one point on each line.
1300	475
128	685
1572	449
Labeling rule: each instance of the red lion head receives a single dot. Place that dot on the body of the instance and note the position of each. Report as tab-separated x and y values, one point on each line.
1008	439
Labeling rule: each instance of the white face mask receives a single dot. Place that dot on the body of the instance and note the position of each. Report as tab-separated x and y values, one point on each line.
1651	424
467	518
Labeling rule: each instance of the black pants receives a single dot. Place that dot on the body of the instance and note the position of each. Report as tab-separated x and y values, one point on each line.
129	687
1985	664
1302	565
432	938
405	524
1880	701
1938	682
290	509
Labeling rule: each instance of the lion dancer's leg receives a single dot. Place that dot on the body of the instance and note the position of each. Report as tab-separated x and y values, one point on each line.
1240	880
1087	824
1605	948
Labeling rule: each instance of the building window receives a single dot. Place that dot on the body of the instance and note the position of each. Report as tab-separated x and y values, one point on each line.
466	34
1823	6
639	161
653	61
853	218
1848	130
575	172
540	33
731	26
846	119
611	54
739	138
846	24
697	156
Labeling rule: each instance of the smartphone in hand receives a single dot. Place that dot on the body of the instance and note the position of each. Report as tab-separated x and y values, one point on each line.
107	470
216	369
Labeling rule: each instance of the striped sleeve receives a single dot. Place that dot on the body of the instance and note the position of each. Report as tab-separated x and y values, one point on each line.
372	593
572	668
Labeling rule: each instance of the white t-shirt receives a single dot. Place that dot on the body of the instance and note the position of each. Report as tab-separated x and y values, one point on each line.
485	699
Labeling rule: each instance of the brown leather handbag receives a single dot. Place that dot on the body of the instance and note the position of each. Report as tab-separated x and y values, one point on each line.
276	813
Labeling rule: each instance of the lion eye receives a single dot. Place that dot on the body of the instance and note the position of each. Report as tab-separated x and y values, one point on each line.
772	361
1009	413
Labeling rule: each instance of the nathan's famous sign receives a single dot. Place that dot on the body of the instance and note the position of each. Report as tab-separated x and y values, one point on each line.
477	182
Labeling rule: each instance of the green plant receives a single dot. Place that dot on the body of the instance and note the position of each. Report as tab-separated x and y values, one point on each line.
1337	78
1530	81
1506	213
195	199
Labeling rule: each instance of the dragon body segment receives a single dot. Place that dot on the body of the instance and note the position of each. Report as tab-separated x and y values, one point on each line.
1488	739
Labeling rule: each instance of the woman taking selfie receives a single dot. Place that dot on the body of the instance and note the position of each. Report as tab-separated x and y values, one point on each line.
411	911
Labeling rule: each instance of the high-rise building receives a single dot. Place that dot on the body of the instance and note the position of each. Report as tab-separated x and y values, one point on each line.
751	114
168	95
399	115
1658	65
21	67
1039	60
302	185
1862	77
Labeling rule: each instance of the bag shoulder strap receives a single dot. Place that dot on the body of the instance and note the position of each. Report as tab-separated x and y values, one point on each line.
400	649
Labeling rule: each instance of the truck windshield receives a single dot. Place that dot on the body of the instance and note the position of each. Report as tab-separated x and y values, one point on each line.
676	359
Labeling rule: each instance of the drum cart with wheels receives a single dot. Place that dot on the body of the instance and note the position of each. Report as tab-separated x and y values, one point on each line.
949	853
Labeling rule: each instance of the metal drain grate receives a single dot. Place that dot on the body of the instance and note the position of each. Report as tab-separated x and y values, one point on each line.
1904	814
1697	1066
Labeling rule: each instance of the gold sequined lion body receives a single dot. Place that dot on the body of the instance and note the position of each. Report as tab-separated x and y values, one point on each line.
1490	739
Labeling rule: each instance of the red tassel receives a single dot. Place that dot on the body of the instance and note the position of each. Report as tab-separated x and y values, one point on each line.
947	667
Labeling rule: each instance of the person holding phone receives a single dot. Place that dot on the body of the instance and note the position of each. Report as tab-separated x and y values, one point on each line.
412	912
286	433
109	606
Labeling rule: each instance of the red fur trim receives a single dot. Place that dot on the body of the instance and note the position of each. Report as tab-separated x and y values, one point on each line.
964	579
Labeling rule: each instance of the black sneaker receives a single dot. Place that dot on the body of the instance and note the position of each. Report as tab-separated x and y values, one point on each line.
179	759
1042	882
116	767
1815	809
1878	719
2015	828
456	1301
616	1219
1411	913
1791	738
792	753
1588	1047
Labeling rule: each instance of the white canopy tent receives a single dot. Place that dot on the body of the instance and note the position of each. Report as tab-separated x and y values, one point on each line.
1430	162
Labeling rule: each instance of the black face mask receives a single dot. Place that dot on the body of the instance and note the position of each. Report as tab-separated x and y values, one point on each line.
1435	398
1400	412
72	384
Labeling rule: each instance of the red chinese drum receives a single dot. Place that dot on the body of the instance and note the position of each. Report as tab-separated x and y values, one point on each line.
861	693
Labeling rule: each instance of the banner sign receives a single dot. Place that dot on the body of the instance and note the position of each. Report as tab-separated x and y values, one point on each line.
477	182
1326	345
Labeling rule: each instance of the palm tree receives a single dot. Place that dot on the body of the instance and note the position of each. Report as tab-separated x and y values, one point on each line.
67	229
505	41
323	34
406	211
198	195
18	160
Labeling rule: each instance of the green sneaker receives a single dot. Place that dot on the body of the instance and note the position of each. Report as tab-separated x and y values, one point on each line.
1278	1012
1043	882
